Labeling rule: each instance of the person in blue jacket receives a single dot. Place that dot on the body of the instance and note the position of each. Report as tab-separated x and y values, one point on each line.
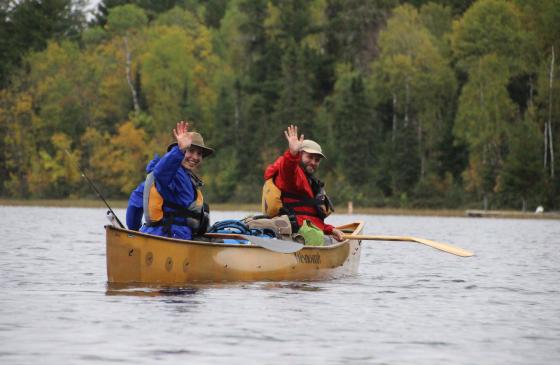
173	205
135	209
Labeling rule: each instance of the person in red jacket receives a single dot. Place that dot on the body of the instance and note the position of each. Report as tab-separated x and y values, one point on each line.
303	195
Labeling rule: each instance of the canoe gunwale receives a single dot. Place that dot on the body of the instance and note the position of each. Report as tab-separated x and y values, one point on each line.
356	227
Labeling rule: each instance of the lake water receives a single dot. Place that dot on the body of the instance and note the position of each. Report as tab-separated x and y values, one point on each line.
409	304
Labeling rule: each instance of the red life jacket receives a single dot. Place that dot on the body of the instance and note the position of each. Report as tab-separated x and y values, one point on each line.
307	200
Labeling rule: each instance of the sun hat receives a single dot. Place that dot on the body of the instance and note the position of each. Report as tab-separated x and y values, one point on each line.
197	141
313	147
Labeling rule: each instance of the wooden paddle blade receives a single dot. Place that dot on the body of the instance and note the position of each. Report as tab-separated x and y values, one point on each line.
437	245
444	247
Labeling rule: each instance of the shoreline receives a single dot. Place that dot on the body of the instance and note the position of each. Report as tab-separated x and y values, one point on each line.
121	204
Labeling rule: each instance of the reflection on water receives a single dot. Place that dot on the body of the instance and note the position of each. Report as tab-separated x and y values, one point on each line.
114	289
408	304
292	286
154	290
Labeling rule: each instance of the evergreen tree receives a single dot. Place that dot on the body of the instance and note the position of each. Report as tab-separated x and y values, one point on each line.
522	173
490	27
28	25
352	27
151	7
484	117
354	129
215	10
295	104
404	162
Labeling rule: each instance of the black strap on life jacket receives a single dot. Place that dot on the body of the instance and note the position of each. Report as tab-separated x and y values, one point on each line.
290	208
177	217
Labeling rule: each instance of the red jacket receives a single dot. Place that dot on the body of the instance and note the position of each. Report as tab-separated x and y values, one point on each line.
290	177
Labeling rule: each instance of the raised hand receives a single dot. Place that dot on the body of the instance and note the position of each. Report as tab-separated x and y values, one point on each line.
182	135
294	143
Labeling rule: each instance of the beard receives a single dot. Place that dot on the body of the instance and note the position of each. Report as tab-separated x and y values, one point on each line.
307	169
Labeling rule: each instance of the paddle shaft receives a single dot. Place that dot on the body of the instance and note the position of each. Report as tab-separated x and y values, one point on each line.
96	190
437	245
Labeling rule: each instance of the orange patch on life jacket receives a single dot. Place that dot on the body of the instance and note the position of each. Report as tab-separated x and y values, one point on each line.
199	198
155	205
271	199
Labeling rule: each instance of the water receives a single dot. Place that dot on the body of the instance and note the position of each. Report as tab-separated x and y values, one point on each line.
409	303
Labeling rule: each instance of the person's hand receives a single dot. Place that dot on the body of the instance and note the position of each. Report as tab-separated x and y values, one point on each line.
294	143
182	135
338	235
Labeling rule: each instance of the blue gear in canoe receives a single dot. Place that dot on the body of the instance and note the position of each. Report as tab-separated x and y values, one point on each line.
234	226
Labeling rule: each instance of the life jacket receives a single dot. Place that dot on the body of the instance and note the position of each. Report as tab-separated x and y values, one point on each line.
195	216
276	202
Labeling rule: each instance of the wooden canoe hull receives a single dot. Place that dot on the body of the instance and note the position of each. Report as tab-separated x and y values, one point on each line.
134	257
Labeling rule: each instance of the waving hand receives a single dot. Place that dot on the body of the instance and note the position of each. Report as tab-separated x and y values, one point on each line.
183	136
294	143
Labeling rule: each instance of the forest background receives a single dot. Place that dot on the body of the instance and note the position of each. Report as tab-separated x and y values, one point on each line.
431	104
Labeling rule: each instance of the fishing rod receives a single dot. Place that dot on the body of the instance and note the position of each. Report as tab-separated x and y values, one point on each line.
95	189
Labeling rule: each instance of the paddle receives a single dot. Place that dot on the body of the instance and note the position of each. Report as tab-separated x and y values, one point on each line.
437	245
271	244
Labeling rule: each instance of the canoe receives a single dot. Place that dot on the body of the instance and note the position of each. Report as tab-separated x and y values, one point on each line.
134	257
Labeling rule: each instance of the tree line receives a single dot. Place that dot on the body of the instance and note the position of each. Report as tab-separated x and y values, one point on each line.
416	103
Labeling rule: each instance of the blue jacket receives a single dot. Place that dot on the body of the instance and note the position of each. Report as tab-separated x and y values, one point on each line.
174	184
135	209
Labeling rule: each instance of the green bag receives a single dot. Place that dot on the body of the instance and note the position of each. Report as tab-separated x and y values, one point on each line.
313	236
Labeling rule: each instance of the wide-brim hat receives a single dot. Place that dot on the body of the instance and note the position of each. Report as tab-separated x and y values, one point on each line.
313	147
197	141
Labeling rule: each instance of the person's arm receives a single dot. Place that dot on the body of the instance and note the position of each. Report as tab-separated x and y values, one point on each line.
167	166
290	162
134	211
288	172
331	231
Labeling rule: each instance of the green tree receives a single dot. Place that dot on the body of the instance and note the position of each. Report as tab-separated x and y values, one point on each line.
290	21
295	104
58	83
522	173
28	25
485	115
413	78
490	27
438	21
18	144
540	19
127	21
354	128
55	175
350	29
152	8
128	152
166	76
215	11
